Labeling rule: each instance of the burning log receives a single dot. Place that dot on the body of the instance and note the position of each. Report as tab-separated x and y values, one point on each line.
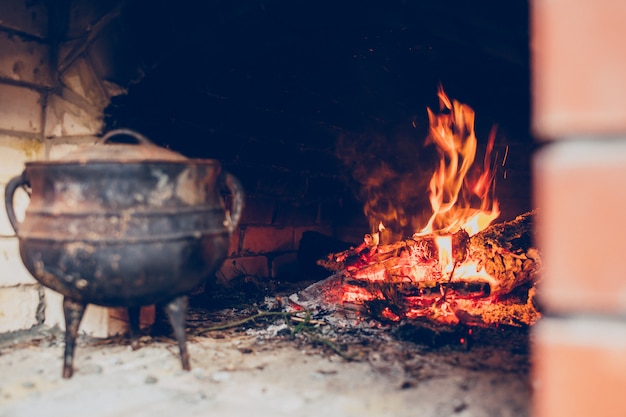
507	253
488	278
504	250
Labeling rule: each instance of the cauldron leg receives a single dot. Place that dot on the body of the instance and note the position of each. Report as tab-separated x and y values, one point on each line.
176	311
73	311
133	321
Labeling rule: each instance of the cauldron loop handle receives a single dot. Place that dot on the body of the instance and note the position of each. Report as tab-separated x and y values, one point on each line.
9	191
125	132
236	189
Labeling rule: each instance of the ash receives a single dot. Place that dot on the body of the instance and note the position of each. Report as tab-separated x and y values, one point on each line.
325	360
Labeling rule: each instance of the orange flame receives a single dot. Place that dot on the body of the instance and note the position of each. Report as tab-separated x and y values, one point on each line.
444	244
452	195
462	196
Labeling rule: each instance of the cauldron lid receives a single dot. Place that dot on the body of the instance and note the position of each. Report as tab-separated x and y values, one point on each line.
104	150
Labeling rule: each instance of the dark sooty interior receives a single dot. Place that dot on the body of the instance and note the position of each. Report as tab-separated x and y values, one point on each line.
298	99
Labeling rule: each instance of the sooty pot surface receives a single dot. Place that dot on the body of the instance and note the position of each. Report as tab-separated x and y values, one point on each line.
124	225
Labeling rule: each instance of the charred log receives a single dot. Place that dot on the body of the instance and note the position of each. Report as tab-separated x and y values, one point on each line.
404	280
505	250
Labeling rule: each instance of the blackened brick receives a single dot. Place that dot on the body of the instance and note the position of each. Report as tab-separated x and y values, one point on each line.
290	213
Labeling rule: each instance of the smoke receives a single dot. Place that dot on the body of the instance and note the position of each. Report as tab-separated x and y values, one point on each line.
391	172
423	181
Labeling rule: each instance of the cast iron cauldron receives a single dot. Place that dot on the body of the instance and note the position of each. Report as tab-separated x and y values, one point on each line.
124	225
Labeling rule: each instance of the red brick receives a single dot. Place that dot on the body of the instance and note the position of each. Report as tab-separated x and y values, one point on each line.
578	67
298	231
296	213
257	210
247	266
579	368
580	190
267	239
286	267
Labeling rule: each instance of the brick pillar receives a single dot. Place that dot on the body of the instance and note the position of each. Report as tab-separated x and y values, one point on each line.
579	112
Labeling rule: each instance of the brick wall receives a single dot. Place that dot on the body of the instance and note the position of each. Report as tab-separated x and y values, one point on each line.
281	204
579	111
52	97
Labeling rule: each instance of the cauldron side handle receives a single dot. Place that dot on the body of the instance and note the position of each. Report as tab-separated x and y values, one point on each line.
236	189
9	192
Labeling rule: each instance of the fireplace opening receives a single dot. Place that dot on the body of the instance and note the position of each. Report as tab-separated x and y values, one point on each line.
324	111
310	104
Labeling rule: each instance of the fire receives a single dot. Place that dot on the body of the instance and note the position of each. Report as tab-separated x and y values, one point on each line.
461	195
474	271
376	236
440	273
444	244
452	193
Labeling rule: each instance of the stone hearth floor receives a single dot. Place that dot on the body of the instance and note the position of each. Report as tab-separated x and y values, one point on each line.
260	371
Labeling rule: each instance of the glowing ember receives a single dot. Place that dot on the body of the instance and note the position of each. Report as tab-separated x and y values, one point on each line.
472	270
491	281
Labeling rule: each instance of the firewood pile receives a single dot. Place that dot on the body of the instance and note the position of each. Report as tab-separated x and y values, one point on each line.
489	281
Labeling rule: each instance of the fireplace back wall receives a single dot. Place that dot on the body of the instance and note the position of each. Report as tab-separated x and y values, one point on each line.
293	97
301	101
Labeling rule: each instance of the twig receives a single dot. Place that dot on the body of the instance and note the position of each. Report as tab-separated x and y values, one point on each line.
309	321
238	323
302	327
333	346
